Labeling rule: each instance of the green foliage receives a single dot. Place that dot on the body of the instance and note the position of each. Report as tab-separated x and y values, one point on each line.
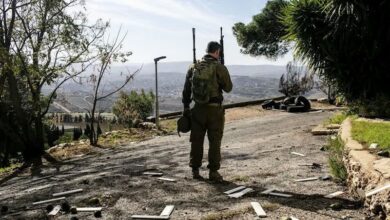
372	132
9	168
40	43
376	107
340	39
66	138
337	118
337	167
296	80
345	42
263	36
134	106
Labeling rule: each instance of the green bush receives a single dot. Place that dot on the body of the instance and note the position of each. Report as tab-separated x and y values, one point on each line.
337	167
133	107
66	138
337	118
345	42
376	107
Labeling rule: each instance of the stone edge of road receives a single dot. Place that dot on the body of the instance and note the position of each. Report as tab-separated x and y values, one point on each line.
363	174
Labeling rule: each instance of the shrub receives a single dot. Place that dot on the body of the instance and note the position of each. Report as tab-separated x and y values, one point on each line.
134	106
337	167
296	81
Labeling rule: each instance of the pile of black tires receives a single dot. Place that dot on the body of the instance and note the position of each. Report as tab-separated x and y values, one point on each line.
290	104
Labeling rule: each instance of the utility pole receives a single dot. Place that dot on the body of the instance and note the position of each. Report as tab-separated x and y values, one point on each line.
157	115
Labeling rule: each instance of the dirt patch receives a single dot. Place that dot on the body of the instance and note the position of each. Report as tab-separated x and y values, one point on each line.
112	139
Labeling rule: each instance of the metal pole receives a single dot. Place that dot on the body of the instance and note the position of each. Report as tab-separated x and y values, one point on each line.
157	115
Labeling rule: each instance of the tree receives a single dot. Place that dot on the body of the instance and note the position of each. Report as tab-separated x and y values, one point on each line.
263	36
134	106
296	81
42	43
345	42
109	53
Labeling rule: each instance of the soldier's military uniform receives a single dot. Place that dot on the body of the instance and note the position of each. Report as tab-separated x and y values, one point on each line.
209	117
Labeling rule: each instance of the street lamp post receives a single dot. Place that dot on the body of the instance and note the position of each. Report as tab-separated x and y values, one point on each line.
157	115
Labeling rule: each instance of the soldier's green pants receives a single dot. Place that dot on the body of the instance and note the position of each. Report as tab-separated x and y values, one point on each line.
206	118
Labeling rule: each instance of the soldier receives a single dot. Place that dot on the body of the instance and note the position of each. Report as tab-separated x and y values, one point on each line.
204	84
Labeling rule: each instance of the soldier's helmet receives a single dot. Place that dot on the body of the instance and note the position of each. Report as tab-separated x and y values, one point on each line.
183	125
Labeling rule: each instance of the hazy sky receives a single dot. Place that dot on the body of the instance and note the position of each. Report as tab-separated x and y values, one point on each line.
163	27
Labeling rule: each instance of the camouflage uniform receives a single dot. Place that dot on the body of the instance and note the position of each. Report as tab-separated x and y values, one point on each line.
208	117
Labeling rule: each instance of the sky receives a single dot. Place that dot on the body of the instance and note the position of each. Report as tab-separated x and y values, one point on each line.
164	27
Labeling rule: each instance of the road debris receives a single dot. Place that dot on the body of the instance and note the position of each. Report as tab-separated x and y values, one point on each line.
73	210
235	190
167	210
167	179
307	179
97	214
67	192
332	195
89	209
54	212
377	190
373	146
65	207
49	208
326	177
384	153
165	214
240	193
321	130
258	209
153	174
336	206
272	193
299	154
4	209
49	200
313	165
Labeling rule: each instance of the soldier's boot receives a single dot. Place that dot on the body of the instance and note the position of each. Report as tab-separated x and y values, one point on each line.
196	175
215	176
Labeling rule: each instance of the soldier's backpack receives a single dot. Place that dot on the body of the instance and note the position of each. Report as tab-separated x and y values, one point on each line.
204	82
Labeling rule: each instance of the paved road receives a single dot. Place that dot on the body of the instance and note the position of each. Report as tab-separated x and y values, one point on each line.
256	153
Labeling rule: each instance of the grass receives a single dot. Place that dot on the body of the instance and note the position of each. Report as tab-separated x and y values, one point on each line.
372	132
337	167
337	118
6	170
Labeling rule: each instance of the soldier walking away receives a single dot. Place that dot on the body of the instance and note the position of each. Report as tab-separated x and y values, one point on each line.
205	82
